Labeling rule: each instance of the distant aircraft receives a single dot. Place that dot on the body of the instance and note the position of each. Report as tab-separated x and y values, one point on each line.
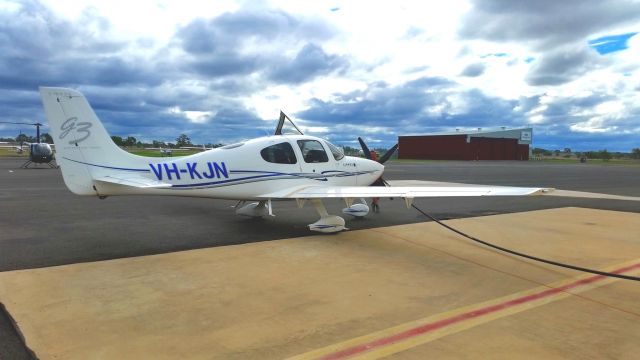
16	148
163	151
39	153
279	167
169	151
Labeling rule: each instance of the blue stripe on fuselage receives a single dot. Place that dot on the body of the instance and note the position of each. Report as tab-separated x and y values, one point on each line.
219	170
106	167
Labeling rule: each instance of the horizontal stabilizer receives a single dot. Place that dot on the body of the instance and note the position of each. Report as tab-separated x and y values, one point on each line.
132	181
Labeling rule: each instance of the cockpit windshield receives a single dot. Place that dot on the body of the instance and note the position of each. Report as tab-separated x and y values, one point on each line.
40	149
335	151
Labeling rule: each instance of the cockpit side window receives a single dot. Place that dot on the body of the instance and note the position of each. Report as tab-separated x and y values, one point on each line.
281	153
312	151
335	151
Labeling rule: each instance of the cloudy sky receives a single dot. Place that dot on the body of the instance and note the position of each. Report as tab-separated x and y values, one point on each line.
221	70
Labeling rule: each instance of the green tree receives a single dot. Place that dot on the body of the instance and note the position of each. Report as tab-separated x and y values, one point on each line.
159	144
183	140
604	155
23	138
350	151
635	153
46	138
541	151
590	155
130	141
117	140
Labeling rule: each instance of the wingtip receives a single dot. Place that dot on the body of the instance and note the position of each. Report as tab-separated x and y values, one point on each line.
543	191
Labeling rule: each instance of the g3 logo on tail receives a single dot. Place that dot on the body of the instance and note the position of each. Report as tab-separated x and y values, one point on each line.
79	127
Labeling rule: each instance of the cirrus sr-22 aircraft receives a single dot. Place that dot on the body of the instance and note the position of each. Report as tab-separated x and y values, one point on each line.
258	171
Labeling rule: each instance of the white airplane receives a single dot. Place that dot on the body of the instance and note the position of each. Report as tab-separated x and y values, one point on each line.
16	148
279	167
163	151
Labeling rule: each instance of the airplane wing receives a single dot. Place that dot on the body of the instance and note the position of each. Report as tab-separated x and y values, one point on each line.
417	188
131	181
321	192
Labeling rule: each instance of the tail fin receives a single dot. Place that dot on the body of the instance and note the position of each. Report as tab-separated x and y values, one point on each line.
83	146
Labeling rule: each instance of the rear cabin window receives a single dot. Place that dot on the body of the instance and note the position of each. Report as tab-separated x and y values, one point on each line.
281	153
312	151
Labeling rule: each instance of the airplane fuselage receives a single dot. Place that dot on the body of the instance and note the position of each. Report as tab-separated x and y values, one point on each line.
244	171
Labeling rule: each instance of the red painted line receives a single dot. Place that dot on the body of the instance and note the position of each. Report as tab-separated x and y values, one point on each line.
423	329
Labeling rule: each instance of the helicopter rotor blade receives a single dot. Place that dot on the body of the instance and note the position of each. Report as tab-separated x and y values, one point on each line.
20	123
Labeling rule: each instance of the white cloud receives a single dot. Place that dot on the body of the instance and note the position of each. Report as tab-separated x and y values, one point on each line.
156	19
363	54
196	117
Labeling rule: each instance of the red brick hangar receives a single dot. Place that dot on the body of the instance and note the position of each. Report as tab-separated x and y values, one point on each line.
504	144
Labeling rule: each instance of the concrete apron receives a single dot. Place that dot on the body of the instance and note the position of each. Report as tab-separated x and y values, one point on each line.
415	291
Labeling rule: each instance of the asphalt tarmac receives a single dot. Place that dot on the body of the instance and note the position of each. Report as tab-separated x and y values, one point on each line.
42	224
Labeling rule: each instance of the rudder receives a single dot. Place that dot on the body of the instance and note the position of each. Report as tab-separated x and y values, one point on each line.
83	146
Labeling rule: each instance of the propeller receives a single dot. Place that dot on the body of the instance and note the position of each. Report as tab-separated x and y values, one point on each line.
380	181
388	154
365	148
381	160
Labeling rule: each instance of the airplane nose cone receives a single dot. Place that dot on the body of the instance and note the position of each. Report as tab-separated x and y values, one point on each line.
374	168
379	168
369	170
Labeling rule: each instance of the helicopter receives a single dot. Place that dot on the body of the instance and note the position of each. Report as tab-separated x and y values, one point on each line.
39	152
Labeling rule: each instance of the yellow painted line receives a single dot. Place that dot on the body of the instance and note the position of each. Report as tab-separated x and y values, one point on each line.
405	336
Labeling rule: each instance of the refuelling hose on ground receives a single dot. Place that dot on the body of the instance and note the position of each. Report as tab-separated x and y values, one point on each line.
531	257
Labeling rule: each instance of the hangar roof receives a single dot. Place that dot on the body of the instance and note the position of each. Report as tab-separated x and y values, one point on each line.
523	135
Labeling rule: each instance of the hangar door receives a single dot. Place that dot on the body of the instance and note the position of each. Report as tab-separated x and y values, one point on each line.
483	148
